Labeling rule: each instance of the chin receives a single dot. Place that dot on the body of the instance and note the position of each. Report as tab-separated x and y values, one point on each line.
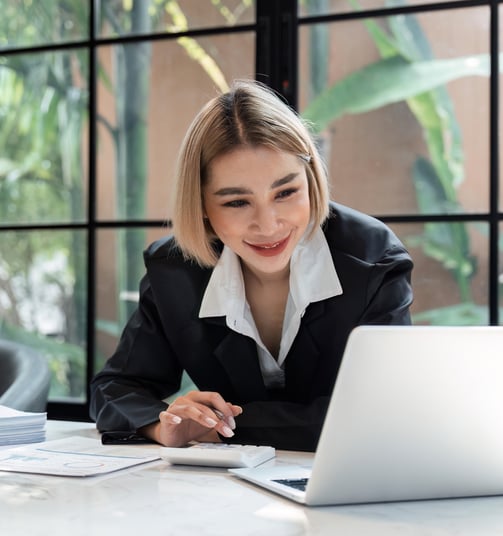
272	266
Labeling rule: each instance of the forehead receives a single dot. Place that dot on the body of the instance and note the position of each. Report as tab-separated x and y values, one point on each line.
252	164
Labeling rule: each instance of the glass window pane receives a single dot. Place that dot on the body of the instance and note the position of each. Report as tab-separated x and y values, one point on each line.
43	302
119	270
147	96
39	22
451	267
153	16
403	117
43	125
332	7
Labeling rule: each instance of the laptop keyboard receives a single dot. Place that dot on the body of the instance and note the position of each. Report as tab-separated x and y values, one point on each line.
297	483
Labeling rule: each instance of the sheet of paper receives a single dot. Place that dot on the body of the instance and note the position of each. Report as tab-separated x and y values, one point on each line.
17	427
15	415
74	456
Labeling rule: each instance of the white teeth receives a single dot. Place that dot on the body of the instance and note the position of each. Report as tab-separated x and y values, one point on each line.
270	247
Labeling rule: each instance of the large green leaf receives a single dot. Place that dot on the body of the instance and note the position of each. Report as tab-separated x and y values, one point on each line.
388	81
448	243
431	196
386	45
408	35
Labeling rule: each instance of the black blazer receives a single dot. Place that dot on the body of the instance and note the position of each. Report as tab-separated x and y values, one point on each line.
165	336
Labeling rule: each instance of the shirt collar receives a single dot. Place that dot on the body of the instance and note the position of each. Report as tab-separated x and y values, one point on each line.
313	276
225	291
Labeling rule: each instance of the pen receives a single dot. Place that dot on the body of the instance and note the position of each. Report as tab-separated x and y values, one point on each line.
228	420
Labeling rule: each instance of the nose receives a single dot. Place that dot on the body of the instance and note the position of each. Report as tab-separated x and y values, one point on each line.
265	220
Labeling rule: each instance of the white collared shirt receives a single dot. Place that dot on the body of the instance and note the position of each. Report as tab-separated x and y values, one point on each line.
312	278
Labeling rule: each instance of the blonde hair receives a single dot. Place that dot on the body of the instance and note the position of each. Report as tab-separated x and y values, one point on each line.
249	114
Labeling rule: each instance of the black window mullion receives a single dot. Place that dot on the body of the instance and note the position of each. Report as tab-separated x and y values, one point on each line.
92	201
276	52
494	214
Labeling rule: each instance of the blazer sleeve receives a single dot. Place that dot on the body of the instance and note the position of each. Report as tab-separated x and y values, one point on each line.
128	392
389	290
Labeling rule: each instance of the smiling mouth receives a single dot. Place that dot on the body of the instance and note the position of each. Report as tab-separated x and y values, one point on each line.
271	248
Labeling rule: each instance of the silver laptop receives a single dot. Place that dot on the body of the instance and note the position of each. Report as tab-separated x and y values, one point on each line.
416	413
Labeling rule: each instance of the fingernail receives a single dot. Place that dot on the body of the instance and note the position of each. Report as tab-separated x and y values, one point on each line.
227	432
231	422
175	419
210	421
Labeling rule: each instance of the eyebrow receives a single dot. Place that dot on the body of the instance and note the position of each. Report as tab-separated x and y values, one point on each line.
236	190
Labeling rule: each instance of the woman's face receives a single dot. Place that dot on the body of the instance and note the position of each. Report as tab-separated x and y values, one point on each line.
257	202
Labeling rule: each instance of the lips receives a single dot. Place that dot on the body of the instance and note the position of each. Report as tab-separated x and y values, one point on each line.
269	249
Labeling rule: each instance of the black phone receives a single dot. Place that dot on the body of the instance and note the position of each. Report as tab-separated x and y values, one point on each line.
124	438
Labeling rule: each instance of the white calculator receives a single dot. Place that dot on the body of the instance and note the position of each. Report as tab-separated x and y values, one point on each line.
218	455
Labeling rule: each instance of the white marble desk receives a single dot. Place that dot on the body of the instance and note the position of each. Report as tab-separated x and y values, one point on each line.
170	501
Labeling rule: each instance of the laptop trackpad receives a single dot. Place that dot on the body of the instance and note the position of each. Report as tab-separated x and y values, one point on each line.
288	480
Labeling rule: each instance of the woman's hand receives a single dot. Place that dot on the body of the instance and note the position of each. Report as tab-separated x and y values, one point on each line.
195	416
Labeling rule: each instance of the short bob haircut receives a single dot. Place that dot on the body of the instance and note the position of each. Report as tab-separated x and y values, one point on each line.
249	114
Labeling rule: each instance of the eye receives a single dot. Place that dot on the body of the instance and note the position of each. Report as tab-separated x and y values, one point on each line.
286	193
236	203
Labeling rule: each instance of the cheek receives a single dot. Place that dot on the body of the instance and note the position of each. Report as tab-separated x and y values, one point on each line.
223	223
301	209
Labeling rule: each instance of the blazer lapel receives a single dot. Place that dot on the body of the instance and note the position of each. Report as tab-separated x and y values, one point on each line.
302	359
238	355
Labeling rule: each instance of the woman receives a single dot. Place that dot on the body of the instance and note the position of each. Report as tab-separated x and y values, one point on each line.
256	292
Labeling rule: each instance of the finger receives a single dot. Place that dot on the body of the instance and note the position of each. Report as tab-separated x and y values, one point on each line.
229	420
235	411
208	409
215	402
225	414
169	418
210	418
225	428
200	414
